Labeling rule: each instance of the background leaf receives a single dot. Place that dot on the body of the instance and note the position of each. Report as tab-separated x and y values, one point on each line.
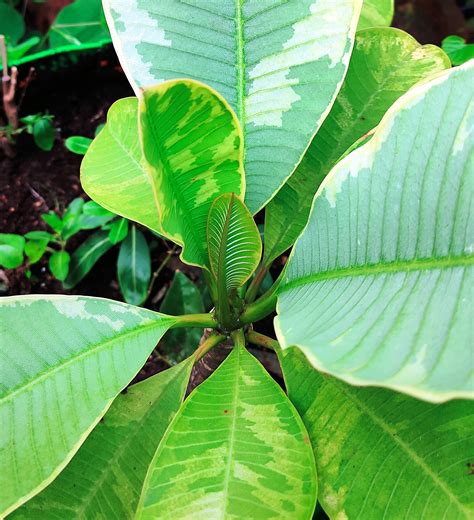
376	288
183	297
64	359
59	264
236	448
376	13
78	144
134	267
105	476
458	50
11	250
118	230
385	63
44	134
12	25
85	257
380	454
278	64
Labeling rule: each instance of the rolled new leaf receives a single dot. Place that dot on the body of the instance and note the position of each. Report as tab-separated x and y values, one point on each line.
105	477
377	287
236	449
63	359
278	64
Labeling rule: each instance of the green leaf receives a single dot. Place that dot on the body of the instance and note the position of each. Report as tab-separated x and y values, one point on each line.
11	250
39	235
94	215
64	359
236	449
192	145
234	242
376	13
183	297
278	64
15	52
44	134
53	221
93	486
12	25
458	50
375	288
72	218
78	144
35	249
81	22
59	264
134	267
374	81
85	257
380	454
118	230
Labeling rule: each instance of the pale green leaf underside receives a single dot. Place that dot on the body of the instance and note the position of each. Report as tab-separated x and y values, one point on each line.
278	64
380	454
385	63
377	290
236	449
233	240
105	477
193	147
376	13
63	360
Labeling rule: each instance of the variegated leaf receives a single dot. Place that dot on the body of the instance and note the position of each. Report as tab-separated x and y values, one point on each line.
191	152
278	64
376	13
105	477
234	242
378	286
236	449
63	359
385	63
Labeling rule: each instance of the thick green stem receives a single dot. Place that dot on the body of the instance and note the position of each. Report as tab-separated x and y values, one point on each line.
238	337
206	321
212	341
262	340
255	284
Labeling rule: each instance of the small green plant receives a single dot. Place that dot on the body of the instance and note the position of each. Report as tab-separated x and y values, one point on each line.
372	326
457	49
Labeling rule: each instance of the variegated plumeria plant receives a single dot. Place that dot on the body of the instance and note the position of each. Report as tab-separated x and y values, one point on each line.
375	294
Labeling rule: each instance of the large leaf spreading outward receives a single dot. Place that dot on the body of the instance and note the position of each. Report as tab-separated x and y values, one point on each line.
192	153
378	287
63	360
105	477
385	64
380	454
233	240
376	13
236	449
278	64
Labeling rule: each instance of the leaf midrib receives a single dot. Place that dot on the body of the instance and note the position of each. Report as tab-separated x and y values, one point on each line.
39	378
240	79
393	434
424	264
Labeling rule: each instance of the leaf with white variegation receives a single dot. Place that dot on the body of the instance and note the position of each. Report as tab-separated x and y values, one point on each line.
380	454
378	286
63	359
385	64
126	439
278	64
236	449
376	13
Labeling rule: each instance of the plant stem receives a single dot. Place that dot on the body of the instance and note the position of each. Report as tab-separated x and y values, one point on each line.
205	321
212	341
255	284
262	340
238	337
159	269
